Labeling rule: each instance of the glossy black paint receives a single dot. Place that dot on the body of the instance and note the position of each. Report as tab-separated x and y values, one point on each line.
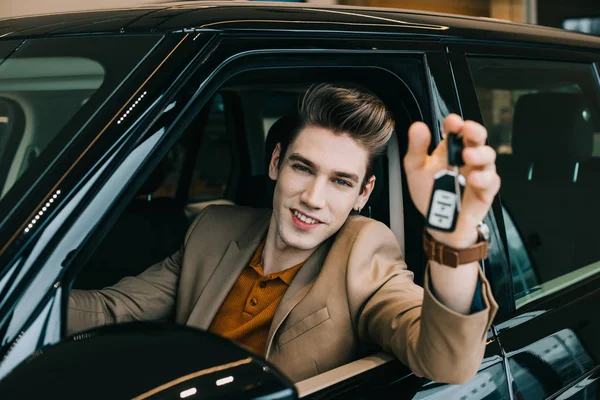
200	50
247	16
146	360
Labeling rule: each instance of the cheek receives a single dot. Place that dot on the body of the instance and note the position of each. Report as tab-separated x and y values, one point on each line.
289	184
340	202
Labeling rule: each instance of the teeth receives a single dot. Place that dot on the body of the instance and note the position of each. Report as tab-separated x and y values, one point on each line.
304	218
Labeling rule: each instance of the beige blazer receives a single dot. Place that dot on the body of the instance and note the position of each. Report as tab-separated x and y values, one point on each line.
353	292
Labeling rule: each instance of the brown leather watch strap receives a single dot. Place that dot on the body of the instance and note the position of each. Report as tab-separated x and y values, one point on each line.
452	257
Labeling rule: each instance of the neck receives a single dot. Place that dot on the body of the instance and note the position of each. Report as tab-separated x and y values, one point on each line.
277	256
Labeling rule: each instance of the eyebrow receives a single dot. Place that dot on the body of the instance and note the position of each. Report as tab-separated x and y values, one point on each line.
339	174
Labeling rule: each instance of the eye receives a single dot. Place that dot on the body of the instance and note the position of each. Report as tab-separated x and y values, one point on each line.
301	168
342	182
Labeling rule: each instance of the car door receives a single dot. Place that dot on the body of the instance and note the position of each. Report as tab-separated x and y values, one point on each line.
542	111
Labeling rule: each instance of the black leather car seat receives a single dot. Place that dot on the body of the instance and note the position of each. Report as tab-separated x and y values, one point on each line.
541	181
148	231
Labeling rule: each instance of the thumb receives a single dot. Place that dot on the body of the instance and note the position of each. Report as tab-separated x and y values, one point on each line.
419	139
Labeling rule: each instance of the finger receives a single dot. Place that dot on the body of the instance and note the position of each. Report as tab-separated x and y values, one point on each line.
482	187
473	134
479	156
453	123
485	181
419	139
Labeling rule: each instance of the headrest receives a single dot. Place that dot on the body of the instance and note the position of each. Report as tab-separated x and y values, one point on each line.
283	127
552	127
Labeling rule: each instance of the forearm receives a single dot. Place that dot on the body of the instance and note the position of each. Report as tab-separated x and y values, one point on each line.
433	340
86	310
149	296
455	287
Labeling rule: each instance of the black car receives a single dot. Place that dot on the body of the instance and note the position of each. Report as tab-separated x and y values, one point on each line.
118	127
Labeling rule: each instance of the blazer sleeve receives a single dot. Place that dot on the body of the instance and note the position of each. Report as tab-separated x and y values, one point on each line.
407	320
148	296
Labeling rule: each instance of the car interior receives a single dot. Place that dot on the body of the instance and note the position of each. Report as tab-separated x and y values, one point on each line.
222	158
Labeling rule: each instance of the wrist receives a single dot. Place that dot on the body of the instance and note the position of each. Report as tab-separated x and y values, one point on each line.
449	255
456	240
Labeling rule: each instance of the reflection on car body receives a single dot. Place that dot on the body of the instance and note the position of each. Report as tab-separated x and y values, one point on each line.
561	355
161	111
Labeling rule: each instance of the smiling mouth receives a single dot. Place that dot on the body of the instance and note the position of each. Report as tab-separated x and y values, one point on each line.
306	219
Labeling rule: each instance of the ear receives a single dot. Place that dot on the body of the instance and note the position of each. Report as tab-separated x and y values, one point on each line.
274	164
365	194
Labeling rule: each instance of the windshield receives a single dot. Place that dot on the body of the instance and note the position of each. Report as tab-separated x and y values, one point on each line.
49	88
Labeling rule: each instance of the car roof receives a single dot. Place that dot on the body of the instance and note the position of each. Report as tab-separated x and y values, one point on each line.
283	16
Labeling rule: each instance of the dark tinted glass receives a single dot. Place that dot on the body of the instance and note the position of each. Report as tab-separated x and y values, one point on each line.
543	119
49	89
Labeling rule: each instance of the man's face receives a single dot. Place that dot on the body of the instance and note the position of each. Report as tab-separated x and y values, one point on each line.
318	184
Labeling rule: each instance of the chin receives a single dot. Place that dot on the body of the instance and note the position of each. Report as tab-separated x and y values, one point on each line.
301	242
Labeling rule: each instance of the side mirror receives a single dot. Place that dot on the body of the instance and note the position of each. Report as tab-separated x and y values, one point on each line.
143	360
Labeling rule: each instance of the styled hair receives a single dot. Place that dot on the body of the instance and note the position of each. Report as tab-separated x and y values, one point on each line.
344	110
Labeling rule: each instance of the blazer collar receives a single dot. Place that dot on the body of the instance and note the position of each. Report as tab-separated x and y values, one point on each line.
236	258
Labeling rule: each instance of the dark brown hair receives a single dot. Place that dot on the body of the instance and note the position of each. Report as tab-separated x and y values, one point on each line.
344	110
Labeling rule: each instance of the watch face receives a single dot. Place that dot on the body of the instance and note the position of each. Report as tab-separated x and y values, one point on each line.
484	231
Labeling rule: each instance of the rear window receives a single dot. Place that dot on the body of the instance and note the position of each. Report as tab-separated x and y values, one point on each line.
543	119
49	88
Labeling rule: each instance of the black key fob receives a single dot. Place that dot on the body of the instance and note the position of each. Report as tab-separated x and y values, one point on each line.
446	196
455	149
444	205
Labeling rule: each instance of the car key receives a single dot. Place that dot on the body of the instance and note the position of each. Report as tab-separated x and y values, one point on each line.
444	206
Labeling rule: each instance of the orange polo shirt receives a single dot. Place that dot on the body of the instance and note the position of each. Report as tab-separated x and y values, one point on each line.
248	310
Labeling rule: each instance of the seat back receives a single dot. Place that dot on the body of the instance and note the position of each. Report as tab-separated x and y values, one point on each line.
149	230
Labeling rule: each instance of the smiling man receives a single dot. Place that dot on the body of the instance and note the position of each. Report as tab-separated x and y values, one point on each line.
311	286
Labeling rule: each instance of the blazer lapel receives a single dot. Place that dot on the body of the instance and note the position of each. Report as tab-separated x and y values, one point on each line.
298	289
226	273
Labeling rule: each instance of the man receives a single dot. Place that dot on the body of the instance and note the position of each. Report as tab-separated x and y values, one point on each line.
310	287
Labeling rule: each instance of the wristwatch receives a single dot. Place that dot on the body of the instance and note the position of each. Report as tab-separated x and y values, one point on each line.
452	257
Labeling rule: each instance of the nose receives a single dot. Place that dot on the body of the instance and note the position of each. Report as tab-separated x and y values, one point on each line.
313	195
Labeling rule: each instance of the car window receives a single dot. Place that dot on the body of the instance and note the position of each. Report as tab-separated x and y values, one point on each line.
223	122
45	85
543	120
